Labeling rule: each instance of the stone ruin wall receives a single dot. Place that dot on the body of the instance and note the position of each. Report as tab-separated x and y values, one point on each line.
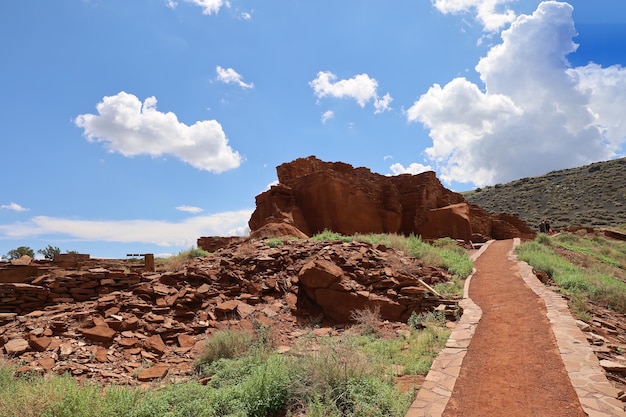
68	279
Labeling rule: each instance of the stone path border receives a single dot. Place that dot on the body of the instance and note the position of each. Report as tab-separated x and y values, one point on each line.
596	394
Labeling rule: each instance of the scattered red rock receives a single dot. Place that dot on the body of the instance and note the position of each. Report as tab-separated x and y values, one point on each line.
104	323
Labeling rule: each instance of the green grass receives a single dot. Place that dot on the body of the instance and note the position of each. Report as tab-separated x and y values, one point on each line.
225	344
274	242
331	236
349	375
598	277
177	262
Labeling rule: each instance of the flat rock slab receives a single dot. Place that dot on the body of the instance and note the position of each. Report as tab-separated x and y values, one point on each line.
16	346
101	333
157	371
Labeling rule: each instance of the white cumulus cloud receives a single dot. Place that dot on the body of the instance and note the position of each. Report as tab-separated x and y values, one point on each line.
493	15
413	169
535	114
130	127
230	76
210	6
382	104
162	233
190	209
606	89
327	115
13	207
361	88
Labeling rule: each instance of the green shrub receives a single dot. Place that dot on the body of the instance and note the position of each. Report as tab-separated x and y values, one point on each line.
266	391
330	236
543	239
224	344
193	252
367	319
273	242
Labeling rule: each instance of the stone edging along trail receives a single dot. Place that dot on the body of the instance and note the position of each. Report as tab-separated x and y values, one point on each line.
595	393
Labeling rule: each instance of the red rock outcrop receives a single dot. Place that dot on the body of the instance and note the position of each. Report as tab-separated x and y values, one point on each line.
313	195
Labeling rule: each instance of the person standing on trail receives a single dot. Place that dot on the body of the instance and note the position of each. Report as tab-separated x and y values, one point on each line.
547	226
542	226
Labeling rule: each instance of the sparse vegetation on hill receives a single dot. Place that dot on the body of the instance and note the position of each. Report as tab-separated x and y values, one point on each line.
593	195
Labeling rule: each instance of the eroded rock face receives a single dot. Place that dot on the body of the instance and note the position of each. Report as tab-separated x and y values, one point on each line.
313	195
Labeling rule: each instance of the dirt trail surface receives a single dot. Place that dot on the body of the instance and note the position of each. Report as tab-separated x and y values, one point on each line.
513	366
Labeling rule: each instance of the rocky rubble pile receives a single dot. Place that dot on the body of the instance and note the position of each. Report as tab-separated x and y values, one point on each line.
127	327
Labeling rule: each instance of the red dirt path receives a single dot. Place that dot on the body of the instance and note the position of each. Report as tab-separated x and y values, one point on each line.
512	367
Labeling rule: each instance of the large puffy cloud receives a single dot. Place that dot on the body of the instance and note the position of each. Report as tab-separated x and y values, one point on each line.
536	113
606	89
361	88
162	233
492	14
131	127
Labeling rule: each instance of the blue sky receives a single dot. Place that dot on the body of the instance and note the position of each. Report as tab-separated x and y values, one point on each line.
139	126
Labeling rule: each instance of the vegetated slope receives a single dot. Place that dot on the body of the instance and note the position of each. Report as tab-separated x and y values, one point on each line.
589	269
592	195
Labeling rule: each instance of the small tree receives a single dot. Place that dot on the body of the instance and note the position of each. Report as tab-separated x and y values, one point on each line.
49	252
19	252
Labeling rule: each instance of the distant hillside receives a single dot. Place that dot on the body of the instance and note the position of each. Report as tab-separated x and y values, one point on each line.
592	195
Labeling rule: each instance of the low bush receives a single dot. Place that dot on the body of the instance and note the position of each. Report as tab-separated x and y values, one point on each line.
224	344
273	242
367	319
328	235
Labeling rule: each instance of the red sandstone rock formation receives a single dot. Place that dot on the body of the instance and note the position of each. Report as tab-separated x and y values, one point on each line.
313	195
